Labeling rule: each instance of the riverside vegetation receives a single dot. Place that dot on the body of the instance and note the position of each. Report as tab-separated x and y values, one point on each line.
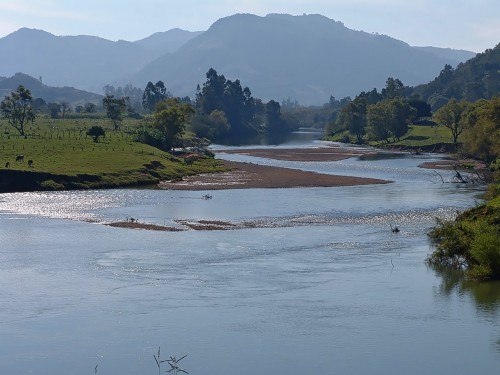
64	155
134	149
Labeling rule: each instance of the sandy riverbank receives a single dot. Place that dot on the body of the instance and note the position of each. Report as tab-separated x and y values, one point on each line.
301	154
247	175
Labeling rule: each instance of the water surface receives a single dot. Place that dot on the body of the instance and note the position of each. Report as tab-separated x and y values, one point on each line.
322	286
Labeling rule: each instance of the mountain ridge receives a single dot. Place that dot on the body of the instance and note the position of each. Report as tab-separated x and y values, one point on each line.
307	58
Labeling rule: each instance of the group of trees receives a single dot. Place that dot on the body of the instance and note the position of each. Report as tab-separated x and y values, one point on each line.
227	112
472	80
477	124
379	116
154	94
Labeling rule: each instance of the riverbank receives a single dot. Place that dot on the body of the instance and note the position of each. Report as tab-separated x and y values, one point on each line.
76	162
248	175
302	154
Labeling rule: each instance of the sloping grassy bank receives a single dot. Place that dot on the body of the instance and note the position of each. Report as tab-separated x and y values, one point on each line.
73	161
418	138
472	240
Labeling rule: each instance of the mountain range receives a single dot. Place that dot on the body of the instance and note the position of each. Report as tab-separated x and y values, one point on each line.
306	58
47	93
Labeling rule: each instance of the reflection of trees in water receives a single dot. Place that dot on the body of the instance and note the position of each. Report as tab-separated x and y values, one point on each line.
485	294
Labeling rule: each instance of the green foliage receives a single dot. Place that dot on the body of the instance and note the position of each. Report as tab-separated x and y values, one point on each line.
51	185
475	79
450	115
64	154
96	132
390	117
472	241
154	94
168	125
227	112
170	120
17	109
54	109
485	250
394	88
481	136
115	109
353	118
90	108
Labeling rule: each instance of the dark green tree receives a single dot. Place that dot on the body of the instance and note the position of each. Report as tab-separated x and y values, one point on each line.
274	122
153	94
210	97
401	115
352	117
377	118
65	108
96	132
115	109
170	120
90	107
17	109
393	88
54	110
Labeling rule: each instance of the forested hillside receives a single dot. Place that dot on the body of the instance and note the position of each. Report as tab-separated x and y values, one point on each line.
478	78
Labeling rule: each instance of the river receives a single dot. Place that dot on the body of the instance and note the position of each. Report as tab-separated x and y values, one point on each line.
320	286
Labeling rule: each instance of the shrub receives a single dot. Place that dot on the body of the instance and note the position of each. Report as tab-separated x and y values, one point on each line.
51	185
96	132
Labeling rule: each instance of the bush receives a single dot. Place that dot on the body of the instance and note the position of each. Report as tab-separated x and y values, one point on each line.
485	250
51	185
96	132
472	241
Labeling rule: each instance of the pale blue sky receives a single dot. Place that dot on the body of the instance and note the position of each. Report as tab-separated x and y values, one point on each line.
464	24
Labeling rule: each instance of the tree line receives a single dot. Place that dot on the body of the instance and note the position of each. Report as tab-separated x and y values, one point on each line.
222	111
379	116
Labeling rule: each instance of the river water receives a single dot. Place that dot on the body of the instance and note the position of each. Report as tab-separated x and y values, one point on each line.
320	286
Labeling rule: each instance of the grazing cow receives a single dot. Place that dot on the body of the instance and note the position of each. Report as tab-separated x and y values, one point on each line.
7	165
20	157
30	163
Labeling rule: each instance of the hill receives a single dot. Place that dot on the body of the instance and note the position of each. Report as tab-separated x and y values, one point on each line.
167	41
475	79
307	58
457	55
47	93
82	61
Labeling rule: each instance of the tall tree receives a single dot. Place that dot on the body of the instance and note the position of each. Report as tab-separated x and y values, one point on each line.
377	118
481	137
210	97
393	88
450	115
154	94
17	109
54	110
274	122
170	120
353	118
65	108
401	115
115	109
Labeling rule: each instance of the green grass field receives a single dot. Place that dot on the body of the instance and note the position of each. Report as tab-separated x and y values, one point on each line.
62	148
419	136
416	137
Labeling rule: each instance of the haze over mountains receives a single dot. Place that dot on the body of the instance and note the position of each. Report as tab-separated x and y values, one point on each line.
307	58
82	61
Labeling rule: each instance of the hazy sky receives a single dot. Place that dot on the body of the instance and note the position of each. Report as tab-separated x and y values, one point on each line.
465	24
